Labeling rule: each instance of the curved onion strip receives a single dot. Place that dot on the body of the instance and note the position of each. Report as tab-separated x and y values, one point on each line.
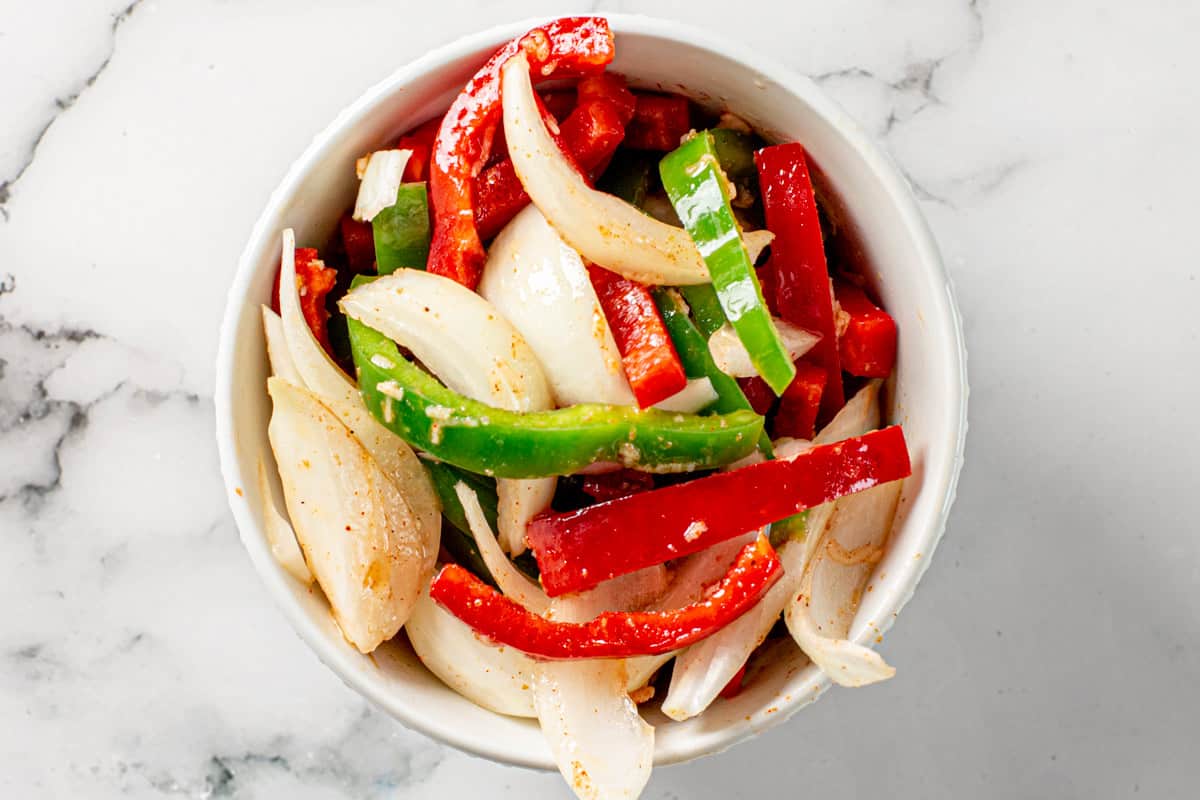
732	358
706	667
604	229
278	355
279	532
380	183
696	396
358	536
497	678
756	242
512	582
466	342
541	285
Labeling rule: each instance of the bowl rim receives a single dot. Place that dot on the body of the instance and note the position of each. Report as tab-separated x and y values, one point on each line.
880	165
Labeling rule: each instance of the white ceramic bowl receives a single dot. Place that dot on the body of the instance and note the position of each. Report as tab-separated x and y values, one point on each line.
930	397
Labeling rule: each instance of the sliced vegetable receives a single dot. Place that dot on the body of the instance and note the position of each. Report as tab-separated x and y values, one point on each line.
420	142
313	281
696	395
611	634
867	346
659	122
542	287
380	181
699	191
735	152
280	358
496	442
602	228
568	46
401	231
758	394
628	177
577	549
651	364
799	275
801	402
611	485
280	534
731	357
457	538
359	244
512	582
362	541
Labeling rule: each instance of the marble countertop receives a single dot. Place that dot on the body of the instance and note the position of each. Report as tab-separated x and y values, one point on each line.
1052	651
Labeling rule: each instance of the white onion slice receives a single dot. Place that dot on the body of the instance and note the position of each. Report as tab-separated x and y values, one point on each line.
541	285
279	532
732	358
278	354
496	677
604	229
359	537
706	667
380	182
512	582
696	396
756	242
469	345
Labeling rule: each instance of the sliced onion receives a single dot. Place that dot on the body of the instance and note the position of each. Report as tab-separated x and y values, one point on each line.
512	581
732	358
380	182
278	355
469	345
706	667
602	228
541	285
698	395
496	677
279	532
756	242
359	537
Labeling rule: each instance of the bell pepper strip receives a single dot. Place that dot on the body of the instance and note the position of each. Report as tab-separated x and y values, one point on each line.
506	444
735	152
420	141
607	87
659	122
759	395
698	190
577	550
590	135
613	634
567	46
734	687
800	403
612	485
651	363
559	102
628	177
401	231
800	276
315	282
358	244
867	346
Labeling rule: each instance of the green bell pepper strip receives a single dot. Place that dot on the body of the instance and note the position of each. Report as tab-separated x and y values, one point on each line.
692	178
628	177
506	444
706	308
735	151
402	231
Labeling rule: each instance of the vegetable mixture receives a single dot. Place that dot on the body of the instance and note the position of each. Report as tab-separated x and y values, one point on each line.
577	399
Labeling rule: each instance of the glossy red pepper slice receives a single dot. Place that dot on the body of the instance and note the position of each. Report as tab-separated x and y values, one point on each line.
868	345
315	281
420	141
613	634
647	353
659	122
760	396
359	242
734	687
800	403
799	275
568	46
579	549
612	485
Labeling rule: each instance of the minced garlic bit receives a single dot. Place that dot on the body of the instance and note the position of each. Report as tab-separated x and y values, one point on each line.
629	453
389	413
442	413
383	362
694	531
390	389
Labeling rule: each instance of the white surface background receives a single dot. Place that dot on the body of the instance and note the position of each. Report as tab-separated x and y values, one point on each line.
1053	650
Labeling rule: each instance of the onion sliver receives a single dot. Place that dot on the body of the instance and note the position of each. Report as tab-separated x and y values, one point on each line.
732	358
706	667
496	677
512	582
696	396
467	343
279	532
604	229
359	536
278	355
380	182
541	285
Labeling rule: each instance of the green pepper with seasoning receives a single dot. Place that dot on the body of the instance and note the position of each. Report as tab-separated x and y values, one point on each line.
402	231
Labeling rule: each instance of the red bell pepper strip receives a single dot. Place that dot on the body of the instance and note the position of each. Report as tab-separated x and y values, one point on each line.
579	549
607	88
802	292
800	402
651	363
613	634
315	281
659	122
612	485
559	102
734	687
589	134
359	242
758	393
420	141
568	46
868	345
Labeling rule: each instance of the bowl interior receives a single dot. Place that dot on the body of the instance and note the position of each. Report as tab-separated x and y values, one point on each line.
889	237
